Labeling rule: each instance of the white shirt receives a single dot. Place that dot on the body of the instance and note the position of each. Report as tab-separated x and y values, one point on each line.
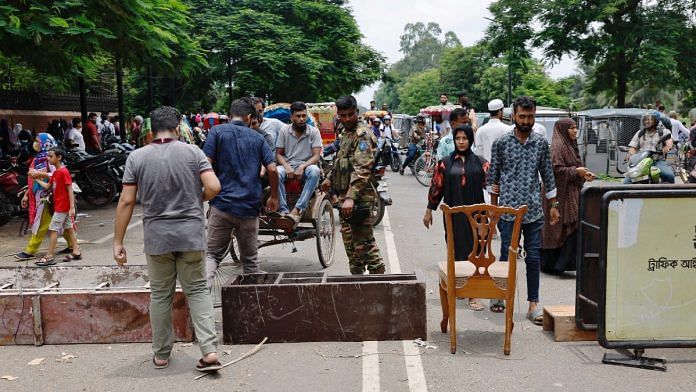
487	134
388	132
75	135
679	131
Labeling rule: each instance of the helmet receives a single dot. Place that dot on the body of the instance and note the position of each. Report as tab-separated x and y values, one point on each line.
387	117
650	119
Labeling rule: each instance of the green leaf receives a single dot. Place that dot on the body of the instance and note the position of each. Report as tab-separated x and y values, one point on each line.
56	21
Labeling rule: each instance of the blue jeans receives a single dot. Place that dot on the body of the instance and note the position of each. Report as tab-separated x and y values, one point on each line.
310	177
410	155
666	172
532	246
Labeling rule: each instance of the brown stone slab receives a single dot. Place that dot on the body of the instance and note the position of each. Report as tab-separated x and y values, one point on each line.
292	307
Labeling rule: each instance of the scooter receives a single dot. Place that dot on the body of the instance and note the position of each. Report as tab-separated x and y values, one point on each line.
641	169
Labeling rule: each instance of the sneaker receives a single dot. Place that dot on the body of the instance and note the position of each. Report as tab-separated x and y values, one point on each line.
21	256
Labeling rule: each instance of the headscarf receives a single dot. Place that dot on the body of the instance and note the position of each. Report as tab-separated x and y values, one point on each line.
474	167
46	142
561	142
565	153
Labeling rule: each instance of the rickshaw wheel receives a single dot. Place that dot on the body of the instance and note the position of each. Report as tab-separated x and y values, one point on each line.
325	233
232	249
424	169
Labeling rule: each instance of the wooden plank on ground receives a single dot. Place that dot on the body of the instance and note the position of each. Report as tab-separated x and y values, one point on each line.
561	320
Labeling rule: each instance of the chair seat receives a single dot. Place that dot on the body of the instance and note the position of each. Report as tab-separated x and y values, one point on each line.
463	270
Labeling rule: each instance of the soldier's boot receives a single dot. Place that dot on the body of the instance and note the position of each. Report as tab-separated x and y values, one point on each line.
379	270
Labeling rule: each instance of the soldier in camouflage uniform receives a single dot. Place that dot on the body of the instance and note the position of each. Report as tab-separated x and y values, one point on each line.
350	178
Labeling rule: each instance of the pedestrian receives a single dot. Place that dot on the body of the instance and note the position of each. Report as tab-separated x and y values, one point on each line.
136	128
490	132
91	135
463	100
559	242
171	179
680	134
237	152
519	159
39	215
417	135
351	180
459	179
445	147
73	136
268	127
63	201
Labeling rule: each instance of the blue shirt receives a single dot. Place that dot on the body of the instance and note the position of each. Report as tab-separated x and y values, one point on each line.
516	167
238	153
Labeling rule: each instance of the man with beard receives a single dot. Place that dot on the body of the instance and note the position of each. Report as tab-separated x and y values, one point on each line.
298	150
518	159
350	179
463	100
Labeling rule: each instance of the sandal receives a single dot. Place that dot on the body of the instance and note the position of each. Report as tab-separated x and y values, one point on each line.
72	257
475	304
45	262
497	306
65	251
205	367
536	316
162	366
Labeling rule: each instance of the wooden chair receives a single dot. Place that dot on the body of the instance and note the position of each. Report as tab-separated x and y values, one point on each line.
481	276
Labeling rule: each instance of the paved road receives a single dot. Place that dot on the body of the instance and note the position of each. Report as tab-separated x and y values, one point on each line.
537	362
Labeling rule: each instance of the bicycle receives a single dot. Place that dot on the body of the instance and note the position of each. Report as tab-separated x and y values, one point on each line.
424	166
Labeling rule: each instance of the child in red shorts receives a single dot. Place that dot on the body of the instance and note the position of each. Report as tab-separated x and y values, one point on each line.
63	207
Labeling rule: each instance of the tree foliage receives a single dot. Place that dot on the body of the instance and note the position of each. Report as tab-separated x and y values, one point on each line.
624	41
287	50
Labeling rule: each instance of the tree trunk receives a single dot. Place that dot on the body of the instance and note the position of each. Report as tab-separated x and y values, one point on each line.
621	80
119	92
229	79
83	98
149	89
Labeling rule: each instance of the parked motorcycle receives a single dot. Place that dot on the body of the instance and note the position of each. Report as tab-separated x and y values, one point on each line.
98	177
641	166
13	186
377	181
390	154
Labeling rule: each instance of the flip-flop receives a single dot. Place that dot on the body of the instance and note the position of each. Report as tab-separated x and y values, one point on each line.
45	262
536	316
154	363
497	306
205	367
72	257
475	305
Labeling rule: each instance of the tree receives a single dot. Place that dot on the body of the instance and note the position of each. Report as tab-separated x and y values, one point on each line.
286	50
420	90
624	39
423	48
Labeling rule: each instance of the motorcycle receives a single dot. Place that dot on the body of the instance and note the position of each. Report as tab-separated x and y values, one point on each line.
98	177
377	180
641	169
390	154
13	186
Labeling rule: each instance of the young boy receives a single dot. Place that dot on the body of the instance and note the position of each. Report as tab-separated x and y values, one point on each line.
63	207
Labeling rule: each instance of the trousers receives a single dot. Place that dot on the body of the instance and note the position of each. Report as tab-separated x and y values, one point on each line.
532	246
361	247
221	226
36	239
310	177
189	269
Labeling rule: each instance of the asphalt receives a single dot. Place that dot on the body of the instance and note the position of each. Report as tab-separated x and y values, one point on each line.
537	362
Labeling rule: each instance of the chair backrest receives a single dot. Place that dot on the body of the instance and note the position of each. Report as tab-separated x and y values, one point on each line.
483	218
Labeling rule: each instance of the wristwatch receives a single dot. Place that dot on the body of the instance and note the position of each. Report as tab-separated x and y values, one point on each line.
555	204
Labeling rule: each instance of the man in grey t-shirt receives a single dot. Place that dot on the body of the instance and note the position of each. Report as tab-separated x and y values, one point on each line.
172	179
298	150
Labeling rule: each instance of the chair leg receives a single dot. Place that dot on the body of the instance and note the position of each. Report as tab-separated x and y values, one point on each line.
445	309
509	325
452	306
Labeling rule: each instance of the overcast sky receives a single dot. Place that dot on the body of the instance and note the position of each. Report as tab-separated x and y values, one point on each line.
382	22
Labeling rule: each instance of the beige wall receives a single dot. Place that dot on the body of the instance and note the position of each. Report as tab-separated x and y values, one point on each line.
35	119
